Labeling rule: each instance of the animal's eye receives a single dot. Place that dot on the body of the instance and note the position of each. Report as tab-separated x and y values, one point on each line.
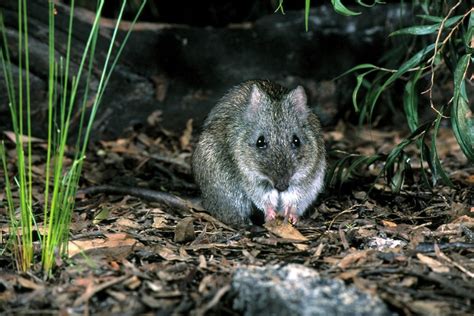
295	142
261	142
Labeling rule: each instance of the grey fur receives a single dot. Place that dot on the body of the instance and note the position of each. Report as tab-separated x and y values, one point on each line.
235	176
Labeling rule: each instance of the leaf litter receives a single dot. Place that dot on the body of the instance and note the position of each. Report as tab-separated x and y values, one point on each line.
415	249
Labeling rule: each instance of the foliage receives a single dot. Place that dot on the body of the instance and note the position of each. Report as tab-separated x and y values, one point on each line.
443	43
61	179
338	6
444	40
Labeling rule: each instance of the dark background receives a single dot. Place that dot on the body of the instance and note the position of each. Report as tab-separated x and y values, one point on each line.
183	56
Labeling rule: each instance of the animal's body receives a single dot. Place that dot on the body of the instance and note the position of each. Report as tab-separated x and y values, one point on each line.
261	149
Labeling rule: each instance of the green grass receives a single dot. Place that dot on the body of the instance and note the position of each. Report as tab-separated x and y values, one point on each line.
61	180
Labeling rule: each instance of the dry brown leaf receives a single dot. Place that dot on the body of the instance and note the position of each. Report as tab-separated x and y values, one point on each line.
24	138
353	257
206	283
207	217
125	222
335	135
118	296
433	264
159	222
427	307
465	220
145	139
170	255
202	262
470	179
154	118
133	283
389	224
359	195
117	146
108	246
285	230
92	289
161	87
441	255
114	265
28	284
318	251
196	247
183	253
83	282
155	286
409	281
366	233
350	274
185	139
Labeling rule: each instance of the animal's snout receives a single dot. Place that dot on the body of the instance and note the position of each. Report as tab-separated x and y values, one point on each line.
282	184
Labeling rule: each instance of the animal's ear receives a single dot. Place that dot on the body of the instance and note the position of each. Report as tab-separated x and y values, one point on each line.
256	100
298	100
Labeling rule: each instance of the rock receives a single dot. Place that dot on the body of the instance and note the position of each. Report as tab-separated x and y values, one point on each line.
297	290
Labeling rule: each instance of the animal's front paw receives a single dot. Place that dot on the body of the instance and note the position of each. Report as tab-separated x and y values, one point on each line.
291	215
270	213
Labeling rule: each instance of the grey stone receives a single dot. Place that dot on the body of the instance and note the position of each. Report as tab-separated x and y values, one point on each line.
297	290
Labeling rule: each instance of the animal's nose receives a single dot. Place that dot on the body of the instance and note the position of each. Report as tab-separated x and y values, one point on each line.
282	185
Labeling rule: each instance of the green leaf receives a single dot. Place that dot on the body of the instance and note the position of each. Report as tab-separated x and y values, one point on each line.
363	160
333	176
397	155
424	156
358	67
360	2
409	64
461	115
427	29
342	9
397	180
102	215
346	167
417	30
469	34
339	175
410	101
430	18
436	168
360	79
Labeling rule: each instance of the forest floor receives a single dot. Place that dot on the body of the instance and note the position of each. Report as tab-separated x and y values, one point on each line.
414	249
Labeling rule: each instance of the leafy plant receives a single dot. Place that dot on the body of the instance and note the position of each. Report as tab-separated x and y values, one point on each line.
445	45
338	6
61	179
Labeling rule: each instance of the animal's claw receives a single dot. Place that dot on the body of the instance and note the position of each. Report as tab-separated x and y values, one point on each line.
290	214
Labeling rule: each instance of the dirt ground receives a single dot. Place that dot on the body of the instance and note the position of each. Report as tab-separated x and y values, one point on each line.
414	249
